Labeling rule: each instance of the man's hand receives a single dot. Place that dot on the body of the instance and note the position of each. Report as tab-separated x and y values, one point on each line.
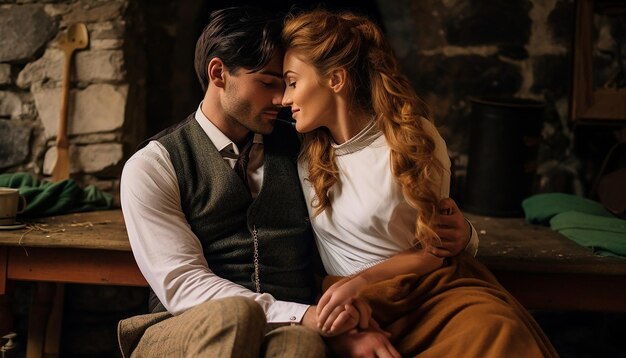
333	309
369	343
455	232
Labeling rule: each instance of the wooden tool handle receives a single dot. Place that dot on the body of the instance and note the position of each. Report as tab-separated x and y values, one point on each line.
61	170
65	93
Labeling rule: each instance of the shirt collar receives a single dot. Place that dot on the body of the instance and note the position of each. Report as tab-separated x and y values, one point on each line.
219	139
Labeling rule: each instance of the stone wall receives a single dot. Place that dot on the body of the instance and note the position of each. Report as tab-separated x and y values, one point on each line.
454	49
106	121
106	111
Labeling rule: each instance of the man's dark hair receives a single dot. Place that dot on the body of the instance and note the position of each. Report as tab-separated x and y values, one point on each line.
242	37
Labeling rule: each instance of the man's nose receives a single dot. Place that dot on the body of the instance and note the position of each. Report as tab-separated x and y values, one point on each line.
278	99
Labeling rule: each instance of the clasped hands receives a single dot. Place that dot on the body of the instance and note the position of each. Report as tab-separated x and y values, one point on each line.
346	320
340	310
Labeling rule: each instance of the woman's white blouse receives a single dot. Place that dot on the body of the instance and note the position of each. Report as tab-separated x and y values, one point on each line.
369	219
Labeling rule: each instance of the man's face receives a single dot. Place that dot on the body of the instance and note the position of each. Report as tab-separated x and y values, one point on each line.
254	99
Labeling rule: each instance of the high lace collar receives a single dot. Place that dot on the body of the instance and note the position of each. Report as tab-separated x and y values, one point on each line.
363	139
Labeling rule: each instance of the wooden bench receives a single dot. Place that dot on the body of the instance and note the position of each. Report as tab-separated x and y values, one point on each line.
543	269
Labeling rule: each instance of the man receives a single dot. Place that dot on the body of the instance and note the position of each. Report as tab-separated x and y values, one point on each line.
215	215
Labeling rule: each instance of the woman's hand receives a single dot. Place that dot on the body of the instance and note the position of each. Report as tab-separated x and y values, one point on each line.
333	314
347	320
455	232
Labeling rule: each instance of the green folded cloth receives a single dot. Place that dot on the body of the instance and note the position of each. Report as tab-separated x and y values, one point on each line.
45	198
581	220
604	235
540	208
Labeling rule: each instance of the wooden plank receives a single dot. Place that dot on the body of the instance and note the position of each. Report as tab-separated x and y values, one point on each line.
75	266
88	230
513	245
566	292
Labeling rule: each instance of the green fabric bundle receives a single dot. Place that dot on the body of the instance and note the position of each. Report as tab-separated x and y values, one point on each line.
604	235
45	198
582	220
540	208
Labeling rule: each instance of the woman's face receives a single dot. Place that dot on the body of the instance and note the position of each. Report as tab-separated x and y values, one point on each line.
310	97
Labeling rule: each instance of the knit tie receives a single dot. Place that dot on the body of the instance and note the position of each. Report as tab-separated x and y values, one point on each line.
241	165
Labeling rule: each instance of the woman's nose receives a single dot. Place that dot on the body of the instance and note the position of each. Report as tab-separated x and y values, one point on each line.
286	102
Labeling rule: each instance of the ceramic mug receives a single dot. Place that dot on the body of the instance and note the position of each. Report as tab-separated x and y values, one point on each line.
11	204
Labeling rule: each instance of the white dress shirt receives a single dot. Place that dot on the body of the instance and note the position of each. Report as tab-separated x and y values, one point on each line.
167	252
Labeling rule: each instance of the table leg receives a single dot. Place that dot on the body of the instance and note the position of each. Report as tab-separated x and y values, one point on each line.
3	270
6	290
38	317
53	329
6	315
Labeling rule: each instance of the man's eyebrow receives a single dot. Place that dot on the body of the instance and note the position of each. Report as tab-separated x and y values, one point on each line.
271	73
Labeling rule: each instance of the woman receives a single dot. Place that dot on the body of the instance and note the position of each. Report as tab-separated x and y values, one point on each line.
373	169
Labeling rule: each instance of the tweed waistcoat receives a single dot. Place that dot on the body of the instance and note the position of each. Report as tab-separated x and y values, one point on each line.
224	216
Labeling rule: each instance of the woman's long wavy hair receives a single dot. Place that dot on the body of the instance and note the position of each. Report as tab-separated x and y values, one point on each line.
329	41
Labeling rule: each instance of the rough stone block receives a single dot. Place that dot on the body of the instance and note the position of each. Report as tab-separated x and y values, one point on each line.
106	44
414	25
10	104
561	21
25	29
48	67
5	74
479	22
102	65
54	10
109	30
14	143
88	66
90	11
552	73
97	108
464	75
87	159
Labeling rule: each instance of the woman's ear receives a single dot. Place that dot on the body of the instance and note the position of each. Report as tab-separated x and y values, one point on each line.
216	71
338	79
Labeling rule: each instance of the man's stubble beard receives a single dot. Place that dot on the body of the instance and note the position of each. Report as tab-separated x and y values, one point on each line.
240	110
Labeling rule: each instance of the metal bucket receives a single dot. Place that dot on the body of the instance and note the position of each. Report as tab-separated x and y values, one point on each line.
504	139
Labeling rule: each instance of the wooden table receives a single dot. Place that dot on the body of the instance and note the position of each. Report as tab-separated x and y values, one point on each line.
88	248
543	269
